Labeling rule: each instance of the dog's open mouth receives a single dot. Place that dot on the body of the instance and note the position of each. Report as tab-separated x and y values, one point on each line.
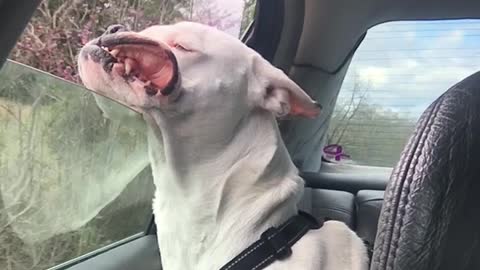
142	62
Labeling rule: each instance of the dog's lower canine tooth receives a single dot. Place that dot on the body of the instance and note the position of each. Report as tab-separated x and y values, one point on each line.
128	66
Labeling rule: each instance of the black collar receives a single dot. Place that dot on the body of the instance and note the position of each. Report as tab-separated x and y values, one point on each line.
274	243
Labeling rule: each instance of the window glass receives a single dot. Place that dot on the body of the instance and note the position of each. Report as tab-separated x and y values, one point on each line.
398	70
71	179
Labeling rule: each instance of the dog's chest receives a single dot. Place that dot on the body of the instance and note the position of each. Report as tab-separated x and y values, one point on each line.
184	232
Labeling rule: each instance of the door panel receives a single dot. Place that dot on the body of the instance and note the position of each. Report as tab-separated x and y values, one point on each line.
141	254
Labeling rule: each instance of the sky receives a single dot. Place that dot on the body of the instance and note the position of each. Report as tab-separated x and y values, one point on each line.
234	8
404	66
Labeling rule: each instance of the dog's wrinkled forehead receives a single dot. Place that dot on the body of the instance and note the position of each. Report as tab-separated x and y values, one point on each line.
196	37
195	34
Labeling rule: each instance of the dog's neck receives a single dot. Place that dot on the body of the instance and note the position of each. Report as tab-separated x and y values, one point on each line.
215	195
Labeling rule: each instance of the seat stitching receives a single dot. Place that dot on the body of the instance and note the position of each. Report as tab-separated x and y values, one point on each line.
385	251
284	246
262	262
258	245
421	145
369	200
336	209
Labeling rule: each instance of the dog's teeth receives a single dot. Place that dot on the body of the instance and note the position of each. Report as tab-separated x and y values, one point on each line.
128	66
148	83
114	52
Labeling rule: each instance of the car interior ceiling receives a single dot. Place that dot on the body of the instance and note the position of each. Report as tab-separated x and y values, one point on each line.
316	42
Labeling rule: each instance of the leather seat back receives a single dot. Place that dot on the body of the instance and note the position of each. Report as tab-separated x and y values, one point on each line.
431	213
353	198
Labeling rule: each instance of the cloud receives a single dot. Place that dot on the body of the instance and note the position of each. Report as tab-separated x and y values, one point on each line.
455	36
373	75
409	64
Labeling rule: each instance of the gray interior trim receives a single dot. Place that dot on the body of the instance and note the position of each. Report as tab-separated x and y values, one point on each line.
339	68
268	28
15	16
305	138
346	182
97	252
290	35
141	254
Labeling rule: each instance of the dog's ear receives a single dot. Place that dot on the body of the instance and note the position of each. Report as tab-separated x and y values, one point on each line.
279	94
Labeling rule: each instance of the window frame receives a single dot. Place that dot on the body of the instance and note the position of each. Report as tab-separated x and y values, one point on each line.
353	168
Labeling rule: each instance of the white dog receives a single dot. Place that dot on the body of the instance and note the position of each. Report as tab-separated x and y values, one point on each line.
222	173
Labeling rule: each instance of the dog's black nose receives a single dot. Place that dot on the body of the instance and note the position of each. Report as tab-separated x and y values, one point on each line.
115	28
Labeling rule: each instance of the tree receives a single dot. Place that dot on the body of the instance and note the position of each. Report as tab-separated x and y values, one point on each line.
346	111
210	13
370	133
248	14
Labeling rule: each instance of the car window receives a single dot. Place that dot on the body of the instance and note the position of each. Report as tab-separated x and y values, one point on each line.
72	180
398	70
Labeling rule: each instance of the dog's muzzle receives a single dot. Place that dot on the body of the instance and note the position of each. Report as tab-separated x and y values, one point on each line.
135	58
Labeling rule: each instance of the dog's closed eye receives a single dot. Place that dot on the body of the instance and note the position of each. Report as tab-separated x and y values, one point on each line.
181	47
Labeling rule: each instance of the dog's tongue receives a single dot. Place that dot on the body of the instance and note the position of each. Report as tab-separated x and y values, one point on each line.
147	59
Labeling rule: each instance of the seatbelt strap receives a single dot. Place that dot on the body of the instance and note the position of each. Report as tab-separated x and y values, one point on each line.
274	243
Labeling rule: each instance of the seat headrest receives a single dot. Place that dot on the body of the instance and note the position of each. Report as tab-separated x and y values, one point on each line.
431	214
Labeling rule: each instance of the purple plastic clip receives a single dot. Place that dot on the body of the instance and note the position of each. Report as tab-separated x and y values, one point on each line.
335	150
